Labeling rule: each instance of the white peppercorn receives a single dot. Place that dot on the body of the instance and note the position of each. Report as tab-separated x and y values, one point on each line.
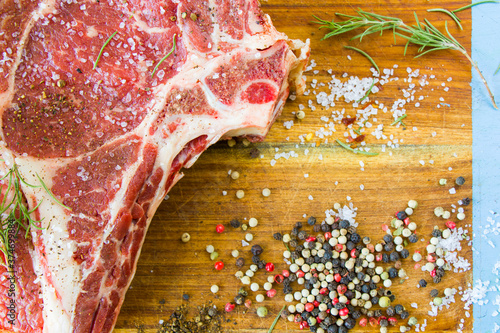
210	248
259	298
266	192
253	222
214	289
461	216
240	194
413	204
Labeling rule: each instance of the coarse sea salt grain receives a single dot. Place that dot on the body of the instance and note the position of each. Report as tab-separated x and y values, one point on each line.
310	197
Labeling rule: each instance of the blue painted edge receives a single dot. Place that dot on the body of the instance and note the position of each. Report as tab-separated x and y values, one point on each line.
485	158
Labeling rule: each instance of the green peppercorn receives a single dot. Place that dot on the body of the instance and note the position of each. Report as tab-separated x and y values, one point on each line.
437	301
412	321
384	301
214	255
262	311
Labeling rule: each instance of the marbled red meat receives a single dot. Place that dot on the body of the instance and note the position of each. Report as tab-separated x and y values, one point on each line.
108	128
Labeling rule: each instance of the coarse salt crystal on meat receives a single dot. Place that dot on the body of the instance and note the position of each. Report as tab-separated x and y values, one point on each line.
110	142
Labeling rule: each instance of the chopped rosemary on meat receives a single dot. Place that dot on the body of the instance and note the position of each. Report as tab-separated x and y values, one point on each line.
425	35
102	49
365	54
13	211
165	57
362	152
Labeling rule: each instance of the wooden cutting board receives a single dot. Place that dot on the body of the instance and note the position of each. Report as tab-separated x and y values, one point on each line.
168	268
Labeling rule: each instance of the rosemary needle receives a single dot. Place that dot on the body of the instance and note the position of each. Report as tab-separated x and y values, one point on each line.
399	119
451	14
473	4
367	92
354	150
102	49
365	54
498	69
165	57
276	319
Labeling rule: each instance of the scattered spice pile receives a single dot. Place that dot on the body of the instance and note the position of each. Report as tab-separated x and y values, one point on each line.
207	320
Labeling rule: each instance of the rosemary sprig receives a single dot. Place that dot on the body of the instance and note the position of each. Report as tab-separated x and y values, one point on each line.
365	54
165	57
102	49
276	320
362	152
450	14
426	35
473	4
13	212
399	120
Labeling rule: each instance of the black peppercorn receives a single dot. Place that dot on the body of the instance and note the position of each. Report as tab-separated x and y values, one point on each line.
356	314
436	279
465	201
292	277
388	238
311	220
440	272
333	329
235	223
375	301
317	228
278	236
434	293
355	238
390	311
404	253
394	256
399	309
385	257
393	272
293	243
436	233
460	181
325	227
349	323
298	225
389	246
404	315
294	231
401	215
255	259
302	235
240	262
344	224
335	226
185	297
422	283
384	323
256	250
261	264
377	313
413	238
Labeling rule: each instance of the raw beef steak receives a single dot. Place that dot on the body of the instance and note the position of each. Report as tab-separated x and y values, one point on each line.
106	101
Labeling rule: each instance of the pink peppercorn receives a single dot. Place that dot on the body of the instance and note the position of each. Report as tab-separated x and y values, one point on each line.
343	312
248	303
450	224
229	307
219	228
300	274
433	273
269	267
309	307
392	321
278	278
363	322
328	235
219	265
271	293
286	273
406	221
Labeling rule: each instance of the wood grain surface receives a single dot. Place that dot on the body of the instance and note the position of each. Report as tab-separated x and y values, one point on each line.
168	268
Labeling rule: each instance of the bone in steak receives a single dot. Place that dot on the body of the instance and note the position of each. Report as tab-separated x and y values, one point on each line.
110	142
